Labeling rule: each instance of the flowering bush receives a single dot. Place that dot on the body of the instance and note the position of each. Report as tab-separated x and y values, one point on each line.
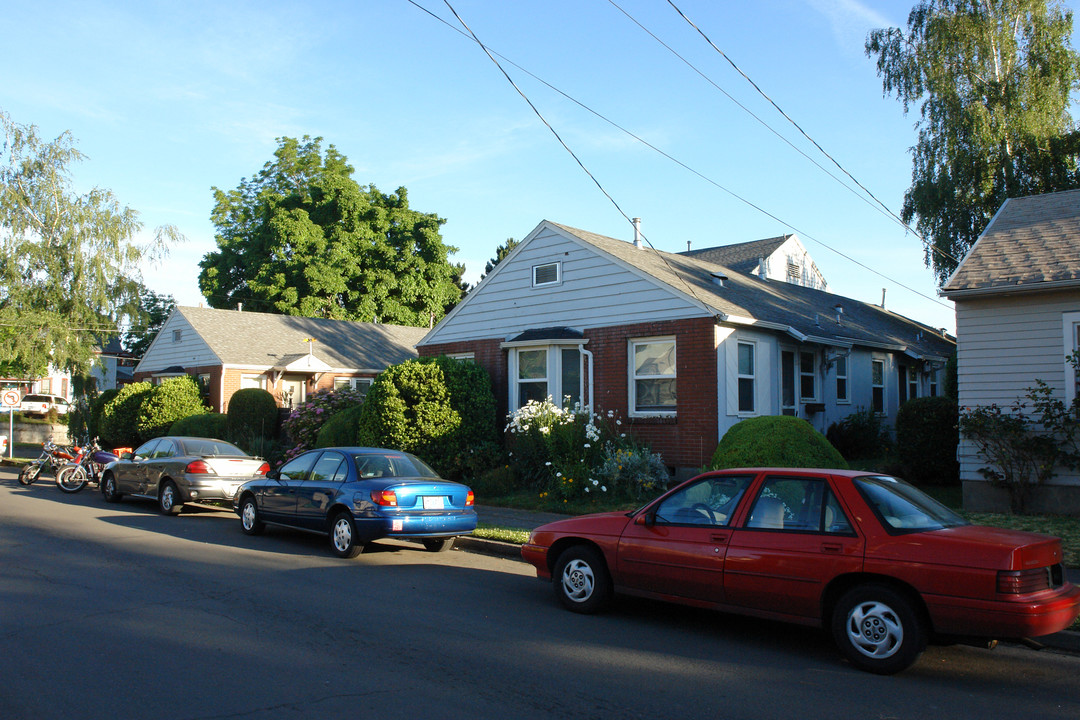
568	454
304	422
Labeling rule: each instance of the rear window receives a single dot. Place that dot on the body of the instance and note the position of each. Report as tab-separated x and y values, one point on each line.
376	465
206	447
36	398
903	508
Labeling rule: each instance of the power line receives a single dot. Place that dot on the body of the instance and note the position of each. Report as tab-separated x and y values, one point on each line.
491	54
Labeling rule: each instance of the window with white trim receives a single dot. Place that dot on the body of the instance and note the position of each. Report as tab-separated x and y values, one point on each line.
877	386
547	274
177	335
354	383
747	377
532	375
934	382
912	382
842	379
1070	325
652	376
807	376
251	381
546	371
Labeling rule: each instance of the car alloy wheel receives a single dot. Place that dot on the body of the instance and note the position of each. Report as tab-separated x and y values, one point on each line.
108	489
168	502
581	579
249	517
877	630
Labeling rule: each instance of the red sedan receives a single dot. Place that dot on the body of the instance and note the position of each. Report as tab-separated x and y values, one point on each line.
881	564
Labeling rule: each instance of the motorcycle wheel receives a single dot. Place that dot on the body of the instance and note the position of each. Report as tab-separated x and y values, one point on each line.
29	474
71	479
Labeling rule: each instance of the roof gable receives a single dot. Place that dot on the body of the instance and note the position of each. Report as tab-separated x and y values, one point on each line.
1032	243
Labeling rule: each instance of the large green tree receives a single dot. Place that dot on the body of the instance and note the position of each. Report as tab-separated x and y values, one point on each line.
303	238
68	260
993	79
500	254
154	310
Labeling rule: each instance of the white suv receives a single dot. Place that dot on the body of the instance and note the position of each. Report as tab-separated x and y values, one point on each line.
37	404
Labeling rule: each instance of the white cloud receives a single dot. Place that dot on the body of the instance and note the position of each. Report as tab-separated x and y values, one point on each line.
850	21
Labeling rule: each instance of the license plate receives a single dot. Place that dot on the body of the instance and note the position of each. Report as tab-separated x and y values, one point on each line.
436	502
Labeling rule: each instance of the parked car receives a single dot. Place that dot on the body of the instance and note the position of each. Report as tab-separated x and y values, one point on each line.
39	405
356	495
177	470
878	563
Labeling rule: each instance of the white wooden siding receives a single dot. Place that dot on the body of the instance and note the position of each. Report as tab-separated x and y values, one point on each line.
595	292
1004	345
191	351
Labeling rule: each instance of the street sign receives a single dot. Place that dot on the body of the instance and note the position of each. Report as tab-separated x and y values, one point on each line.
10	398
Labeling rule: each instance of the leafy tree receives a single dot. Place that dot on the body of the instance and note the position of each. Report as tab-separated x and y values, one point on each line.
154	310
994	79
172	400
303	238
500	253
68	262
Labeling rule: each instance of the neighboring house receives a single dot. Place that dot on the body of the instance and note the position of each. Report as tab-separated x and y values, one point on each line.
781	258
290	357
1017	295
681	348
113	365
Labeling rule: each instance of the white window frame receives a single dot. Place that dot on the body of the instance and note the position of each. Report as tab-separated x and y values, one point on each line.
884	385
634	377
558	274
1070	331
178	335
553	368
752	377
254	381
846	377
812	375
353	383
462	356
912	381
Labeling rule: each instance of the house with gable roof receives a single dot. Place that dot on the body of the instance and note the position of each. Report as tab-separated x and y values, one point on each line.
290	357
781	258
681	347
1017	296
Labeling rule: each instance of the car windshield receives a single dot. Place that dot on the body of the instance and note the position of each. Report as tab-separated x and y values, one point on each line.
375	465
209	448
904	508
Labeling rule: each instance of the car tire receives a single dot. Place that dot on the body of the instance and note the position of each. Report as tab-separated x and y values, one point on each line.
438	544
343	536
581	579
249	517
169	499
877	629
108	489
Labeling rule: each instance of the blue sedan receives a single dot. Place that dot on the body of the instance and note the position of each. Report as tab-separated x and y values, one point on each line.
356	495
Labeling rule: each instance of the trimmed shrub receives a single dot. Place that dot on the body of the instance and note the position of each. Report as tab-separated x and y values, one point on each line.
97	406
176	398
775	441
927	435
304	423
474	446
118	426
861	435
207	425
340	429
408	408
252	413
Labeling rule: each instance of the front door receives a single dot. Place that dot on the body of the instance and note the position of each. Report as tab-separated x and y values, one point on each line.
293	389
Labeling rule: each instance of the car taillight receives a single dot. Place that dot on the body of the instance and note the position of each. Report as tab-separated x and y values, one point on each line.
198	467
1020	582
469	499
384	497
263	469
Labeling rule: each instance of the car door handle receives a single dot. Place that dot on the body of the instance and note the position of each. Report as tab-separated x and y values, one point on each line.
832	547
718	537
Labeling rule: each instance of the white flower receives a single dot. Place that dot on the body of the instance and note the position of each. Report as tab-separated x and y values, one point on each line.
548	463
588	445
586	489
604	488
558	474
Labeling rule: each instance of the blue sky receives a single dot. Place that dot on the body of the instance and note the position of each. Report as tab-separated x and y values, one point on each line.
168	100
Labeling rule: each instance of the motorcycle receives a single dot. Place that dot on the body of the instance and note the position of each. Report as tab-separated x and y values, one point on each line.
52	456
85	467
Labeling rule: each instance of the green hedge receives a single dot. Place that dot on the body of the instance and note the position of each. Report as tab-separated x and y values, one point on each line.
253	413
775	441
207	425
118	426
340	429
173	399
927	435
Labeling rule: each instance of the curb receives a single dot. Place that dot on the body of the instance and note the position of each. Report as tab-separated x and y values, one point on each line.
489	547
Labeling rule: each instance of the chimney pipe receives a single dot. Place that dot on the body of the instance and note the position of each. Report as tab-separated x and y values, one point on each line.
637	232
882	298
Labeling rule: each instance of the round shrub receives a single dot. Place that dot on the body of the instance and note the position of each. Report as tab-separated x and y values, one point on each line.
340	429
175	398
252	413
927	435
775	441
118	426
408	408
474	446
207	425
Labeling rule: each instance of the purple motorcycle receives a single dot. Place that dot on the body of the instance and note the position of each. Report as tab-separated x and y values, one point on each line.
85	468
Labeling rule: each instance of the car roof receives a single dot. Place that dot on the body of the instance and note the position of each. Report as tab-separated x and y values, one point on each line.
837	472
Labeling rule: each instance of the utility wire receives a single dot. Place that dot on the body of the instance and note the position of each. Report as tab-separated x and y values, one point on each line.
724	189
926	243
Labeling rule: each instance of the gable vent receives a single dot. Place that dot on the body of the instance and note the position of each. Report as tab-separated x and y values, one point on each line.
545	274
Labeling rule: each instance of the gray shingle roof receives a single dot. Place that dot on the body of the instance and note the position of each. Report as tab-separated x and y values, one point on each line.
807	311
1031	242
742	257
265	339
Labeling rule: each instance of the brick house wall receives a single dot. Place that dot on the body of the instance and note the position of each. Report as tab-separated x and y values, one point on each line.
687	440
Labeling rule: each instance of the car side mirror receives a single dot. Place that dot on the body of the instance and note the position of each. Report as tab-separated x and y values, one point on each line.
645	519
273	474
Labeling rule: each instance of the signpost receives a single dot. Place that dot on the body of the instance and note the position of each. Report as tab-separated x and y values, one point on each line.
10	399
